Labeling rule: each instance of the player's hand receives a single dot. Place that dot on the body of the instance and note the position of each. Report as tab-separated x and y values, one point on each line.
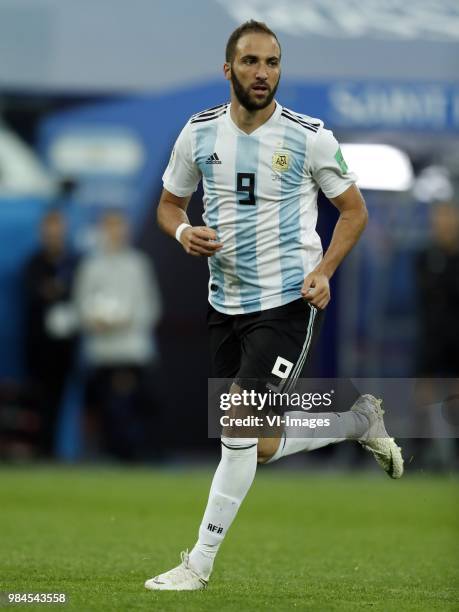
316	289
200	241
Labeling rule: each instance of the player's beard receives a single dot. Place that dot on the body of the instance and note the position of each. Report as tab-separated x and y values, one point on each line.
243	95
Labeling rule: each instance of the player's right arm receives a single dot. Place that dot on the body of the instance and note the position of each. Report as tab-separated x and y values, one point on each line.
180	180
200	241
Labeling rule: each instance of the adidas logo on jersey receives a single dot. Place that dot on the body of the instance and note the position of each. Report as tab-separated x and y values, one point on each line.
213	159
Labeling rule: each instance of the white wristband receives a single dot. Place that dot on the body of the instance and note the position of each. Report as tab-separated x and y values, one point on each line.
179	230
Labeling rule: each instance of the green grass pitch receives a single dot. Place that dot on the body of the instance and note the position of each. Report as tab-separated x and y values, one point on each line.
301	541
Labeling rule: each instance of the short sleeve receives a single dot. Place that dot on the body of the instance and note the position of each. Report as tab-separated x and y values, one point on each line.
328	167
182	175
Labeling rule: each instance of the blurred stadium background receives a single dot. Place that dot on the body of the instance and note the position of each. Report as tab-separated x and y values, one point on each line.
92	96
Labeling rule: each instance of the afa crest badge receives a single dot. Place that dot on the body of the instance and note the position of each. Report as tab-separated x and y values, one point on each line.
281	161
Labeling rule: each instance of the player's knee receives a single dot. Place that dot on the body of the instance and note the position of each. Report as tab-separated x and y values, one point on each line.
266	449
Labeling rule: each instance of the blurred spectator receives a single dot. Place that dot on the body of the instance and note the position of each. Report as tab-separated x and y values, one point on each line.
437	279
437	274
119	303
50	327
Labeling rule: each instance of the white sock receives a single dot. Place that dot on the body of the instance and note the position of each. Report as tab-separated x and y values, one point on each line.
232	480
343	426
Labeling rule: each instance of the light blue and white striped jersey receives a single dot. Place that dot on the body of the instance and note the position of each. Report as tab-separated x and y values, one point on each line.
260	196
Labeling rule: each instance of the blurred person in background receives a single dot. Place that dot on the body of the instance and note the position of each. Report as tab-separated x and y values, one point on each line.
437	275
50	336
118	304
437	281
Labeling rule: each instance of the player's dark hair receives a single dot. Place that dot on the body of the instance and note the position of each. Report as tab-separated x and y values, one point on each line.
249	27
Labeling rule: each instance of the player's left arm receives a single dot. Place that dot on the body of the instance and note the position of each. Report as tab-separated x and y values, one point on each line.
353	218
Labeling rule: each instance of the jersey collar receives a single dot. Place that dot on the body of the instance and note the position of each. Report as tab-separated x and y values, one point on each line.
274	117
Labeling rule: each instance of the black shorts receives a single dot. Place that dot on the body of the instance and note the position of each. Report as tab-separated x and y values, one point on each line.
268	346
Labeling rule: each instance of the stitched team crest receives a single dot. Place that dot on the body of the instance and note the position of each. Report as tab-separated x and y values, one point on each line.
281	161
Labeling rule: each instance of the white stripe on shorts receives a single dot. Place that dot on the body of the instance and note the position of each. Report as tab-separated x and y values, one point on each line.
291	380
